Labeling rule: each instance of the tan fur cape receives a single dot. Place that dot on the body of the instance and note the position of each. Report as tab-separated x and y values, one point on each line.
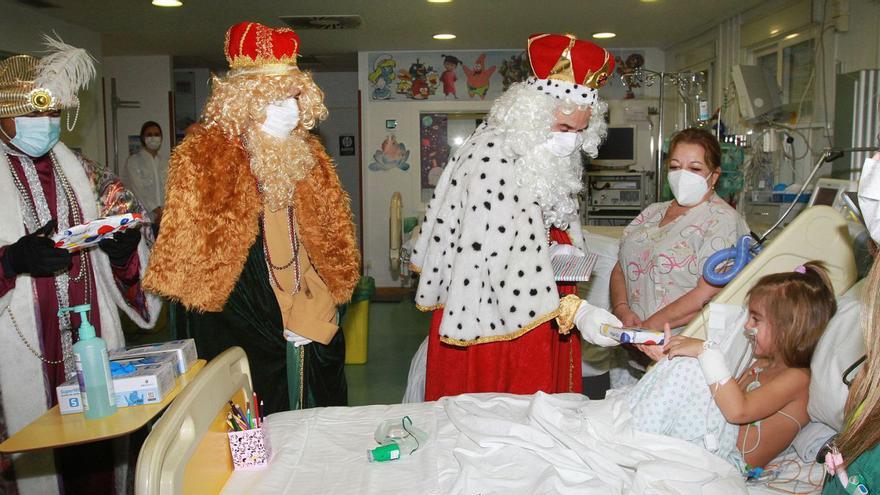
211	219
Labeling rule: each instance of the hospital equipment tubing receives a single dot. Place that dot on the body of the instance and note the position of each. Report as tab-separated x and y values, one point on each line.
741	254
828	156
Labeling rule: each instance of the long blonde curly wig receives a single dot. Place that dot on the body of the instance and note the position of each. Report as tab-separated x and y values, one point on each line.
239	99
237	106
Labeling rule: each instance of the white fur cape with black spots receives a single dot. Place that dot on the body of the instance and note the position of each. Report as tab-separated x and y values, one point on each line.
483	250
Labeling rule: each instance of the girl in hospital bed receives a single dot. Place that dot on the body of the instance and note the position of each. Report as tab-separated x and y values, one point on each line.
787	314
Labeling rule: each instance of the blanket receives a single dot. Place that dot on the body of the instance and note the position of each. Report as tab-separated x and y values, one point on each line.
487	444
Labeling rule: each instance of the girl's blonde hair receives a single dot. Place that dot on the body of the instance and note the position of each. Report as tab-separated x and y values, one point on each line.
798	306
862	433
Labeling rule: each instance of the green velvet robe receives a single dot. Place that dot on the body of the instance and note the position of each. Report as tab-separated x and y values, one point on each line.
251	319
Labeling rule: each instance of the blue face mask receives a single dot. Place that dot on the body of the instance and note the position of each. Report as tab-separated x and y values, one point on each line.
35	136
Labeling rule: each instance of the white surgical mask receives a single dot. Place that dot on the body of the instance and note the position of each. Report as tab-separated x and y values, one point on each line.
153	142
281	118
869	197
563	144
688	187
35	136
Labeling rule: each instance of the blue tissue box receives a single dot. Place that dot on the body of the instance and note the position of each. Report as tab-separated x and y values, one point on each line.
184	351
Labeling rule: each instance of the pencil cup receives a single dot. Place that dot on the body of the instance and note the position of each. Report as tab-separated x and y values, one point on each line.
249	449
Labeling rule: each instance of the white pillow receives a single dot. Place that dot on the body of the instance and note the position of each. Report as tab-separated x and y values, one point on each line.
840	346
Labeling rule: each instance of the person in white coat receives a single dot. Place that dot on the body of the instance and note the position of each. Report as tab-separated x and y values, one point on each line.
146	171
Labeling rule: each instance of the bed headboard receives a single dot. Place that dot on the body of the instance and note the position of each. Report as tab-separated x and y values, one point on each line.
187	451
818	233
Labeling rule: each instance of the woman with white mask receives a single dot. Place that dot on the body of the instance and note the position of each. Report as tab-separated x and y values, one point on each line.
657	279
146	171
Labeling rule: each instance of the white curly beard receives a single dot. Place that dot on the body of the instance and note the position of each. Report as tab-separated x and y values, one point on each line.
525	118
554	182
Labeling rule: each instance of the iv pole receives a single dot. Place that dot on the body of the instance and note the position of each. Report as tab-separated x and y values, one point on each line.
683	80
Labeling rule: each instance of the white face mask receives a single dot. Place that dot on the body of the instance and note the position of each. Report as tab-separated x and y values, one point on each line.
563	144
153	142
281	118
688	187
869	196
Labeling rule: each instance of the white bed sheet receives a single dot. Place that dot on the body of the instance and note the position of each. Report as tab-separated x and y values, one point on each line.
485	443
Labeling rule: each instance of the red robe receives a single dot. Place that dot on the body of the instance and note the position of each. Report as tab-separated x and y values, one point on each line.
541	359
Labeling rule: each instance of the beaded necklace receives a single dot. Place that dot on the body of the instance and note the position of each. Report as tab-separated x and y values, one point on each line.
36	213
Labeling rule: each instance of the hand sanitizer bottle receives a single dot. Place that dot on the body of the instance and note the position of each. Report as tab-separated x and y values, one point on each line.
92	368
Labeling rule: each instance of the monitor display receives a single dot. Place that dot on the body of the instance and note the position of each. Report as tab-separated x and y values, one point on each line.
757	92
825	196
618	148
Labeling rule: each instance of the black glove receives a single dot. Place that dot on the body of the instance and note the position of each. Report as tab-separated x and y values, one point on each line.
120	247
35	254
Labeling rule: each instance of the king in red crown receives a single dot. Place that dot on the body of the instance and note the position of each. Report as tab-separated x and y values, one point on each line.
505	205
257	243
249	44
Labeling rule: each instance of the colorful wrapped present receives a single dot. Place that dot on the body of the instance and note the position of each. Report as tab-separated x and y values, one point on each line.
91	233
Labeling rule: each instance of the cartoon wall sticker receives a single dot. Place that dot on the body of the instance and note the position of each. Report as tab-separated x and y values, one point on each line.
390	155
419	82
448	78
627	67
382	76
478	77
412	77
514	69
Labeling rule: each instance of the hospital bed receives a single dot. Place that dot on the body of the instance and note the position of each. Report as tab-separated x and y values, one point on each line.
818	233
324	450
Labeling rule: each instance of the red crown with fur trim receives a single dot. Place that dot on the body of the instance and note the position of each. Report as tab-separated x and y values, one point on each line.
250	44
564	58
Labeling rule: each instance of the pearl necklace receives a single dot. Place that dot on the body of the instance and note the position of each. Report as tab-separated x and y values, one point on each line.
294	242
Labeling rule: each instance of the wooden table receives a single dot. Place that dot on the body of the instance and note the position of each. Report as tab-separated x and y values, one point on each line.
54	429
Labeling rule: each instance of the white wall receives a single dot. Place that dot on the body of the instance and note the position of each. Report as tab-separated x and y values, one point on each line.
22	29
146	79
341	98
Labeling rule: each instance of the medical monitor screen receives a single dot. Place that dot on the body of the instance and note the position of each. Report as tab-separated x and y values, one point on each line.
825	196
618	147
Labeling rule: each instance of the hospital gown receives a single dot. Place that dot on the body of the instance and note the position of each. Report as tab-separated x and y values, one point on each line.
674	400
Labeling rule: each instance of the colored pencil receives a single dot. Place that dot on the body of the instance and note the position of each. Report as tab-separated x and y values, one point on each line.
237	410
256	411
